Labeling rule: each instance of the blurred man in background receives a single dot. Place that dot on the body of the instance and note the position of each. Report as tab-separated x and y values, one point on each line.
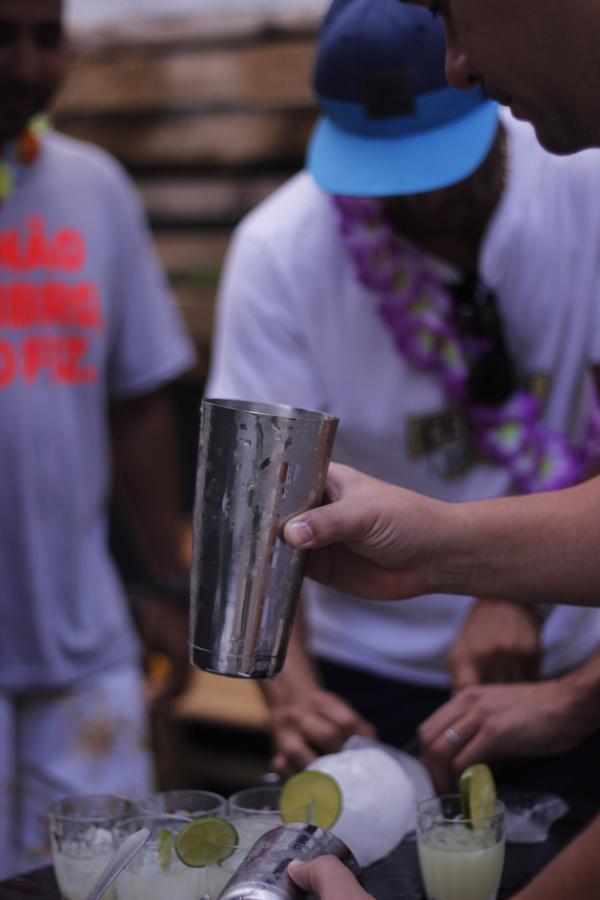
418	292
89	335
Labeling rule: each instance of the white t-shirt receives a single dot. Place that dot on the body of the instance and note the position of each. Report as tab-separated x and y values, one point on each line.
85	317
295	326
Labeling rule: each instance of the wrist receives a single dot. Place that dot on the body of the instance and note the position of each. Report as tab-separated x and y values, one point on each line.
450	560
286	689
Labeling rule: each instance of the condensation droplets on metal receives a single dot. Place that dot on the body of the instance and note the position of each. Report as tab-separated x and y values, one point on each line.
258	465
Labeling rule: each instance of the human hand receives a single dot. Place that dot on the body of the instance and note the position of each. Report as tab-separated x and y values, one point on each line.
482	723
328	878
499	642
164	628
375	540
320	722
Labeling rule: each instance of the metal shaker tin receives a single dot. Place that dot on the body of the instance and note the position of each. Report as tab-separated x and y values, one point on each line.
258	465
263	873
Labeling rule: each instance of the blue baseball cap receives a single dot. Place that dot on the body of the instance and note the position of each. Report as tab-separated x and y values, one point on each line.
391	123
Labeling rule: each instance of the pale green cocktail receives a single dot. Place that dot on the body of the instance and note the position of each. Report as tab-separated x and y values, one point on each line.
156	872
458	860
81	837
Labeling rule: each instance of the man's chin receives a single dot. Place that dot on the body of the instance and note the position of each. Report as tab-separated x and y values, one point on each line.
561	140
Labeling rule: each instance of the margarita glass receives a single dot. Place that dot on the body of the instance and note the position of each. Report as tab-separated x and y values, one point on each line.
156	872
460	859
262	803
81	837
252	811
249	829
190	804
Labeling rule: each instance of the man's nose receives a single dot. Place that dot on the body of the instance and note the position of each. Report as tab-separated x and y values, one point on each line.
459	71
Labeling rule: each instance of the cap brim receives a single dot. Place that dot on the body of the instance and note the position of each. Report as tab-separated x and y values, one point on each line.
357	166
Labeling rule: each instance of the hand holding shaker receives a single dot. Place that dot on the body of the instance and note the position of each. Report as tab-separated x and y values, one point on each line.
258	466
263	873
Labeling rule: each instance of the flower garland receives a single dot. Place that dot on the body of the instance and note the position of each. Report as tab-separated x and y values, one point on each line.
18	155
417	308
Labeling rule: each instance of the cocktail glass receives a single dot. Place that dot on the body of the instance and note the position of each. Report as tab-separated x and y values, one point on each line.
81	837
460	859
190	804
249	829
262	802
252	812
156	872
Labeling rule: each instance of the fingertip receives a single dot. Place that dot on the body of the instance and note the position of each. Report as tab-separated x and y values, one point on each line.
296	871
298	533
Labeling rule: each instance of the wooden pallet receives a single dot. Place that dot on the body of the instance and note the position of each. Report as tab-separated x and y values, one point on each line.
209	115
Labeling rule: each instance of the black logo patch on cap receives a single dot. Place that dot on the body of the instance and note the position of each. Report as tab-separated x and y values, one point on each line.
387	94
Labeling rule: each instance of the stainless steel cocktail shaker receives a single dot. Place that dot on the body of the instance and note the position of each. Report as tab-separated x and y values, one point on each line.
263	873
258	465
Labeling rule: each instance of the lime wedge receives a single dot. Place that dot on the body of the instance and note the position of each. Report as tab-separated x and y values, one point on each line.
317	791
477	794
165	849
206	841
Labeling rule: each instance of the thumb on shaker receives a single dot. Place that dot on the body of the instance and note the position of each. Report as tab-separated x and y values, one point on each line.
328	878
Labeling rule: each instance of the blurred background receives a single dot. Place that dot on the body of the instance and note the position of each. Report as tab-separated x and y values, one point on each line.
209	108
96	11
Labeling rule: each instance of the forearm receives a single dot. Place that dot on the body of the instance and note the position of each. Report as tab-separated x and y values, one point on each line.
148	485
539	548
573	875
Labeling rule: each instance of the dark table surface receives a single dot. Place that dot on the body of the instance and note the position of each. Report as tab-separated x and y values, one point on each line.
394	878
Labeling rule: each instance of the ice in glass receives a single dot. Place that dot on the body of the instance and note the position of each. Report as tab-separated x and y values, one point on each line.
459	860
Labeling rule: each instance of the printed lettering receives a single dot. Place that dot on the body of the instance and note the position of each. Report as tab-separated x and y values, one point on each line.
9	249
70	353
23	311
37	356
87	309
69	248
36	249
8	363
35	254
60	357
54	303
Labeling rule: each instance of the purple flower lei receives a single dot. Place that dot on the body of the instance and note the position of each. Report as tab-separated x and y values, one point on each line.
417	309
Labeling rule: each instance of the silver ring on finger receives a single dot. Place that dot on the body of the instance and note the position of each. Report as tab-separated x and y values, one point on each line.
453	736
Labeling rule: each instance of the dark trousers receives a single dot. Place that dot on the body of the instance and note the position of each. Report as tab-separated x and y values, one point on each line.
396	708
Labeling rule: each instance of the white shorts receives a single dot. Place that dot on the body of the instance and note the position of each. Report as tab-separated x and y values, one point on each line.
89	739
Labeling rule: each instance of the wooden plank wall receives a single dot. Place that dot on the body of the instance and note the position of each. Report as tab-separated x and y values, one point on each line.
209	116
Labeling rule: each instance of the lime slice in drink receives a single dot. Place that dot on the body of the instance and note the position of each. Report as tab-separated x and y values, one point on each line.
477	794
206	841
165	849
317	791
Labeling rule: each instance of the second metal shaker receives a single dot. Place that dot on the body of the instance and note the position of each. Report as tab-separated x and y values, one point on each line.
263	873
